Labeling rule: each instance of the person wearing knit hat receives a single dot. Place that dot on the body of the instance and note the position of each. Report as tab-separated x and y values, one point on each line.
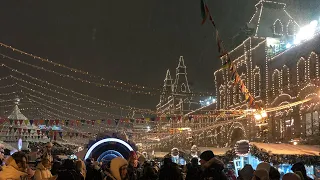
118	169
246	173
265	166
212	167
206	156
261	174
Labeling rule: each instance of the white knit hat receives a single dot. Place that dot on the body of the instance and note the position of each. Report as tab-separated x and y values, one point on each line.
115	165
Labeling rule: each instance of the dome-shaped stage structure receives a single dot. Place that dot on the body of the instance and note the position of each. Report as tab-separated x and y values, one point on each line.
108	148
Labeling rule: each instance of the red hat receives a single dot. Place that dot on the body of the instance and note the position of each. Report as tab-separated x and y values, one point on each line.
133	153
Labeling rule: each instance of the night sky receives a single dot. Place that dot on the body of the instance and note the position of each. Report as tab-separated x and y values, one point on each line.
129	41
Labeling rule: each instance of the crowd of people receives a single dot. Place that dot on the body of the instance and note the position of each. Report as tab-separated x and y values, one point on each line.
16	168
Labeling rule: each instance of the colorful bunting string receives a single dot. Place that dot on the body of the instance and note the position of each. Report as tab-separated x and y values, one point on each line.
228	62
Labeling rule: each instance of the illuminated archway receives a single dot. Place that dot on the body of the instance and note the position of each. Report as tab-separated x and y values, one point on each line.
106	141
110	154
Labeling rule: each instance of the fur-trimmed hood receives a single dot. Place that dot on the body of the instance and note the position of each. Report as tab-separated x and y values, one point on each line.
115	165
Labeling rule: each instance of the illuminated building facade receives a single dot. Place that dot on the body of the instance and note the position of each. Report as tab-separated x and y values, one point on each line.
279	64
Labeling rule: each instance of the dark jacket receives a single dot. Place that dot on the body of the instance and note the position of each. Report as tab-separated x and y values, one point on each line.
69	175
193	172
133	173
148	173
213	170
92	173
170	171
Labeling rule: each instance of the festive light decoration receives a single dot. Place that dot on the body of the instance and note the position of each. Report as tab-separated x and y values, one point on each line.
105	103
67	102
227	63
242	147
275	159
278	28
106	141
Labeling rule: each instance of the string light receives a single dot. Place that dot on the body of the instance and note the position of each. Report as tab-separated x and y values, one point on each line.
59	87
46	60
7	86
276	29
45	105
64	107
76	78
67	102
7	94
157	91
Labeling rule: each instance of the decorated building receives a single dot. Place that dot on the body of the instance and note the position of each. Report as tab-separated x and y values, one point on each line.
176	94
279	64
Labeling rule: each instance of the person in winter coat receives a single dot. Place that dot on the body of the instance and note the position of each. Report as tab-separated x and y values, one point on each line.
47	152
291	176
43	172
81	168
261	174
246	173
133	172
93	170
170	171
148	172
300	167
16	167
69	172
194	170
118	169
212	167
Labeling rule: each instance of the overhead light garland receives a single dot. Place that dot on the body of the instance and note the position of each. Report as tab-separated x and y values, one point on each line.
67	102
59	87
155	91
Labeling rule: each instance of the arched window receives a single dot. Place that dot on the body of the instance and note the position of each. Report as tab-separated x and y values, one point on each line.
235	93
290	28
301	69
277	27
257	82
230	93
241	95
314	65
221	97
285	77
276	82
183	87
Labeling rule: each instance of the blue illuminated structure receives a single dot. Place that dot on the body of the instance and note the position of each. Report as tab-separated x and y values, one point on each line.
111	152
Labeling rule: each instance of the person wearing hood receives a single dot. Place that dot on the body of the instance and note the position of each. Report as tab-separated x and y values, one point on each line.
47	152
212	167
16	167
43	172
118	169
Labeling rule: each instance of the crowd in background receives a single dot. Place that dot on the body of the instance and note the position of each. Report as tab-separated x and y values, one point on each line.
16	168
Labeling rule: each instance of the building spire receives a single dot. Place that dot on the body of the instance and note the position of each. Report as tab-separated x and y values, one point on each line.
181	82
181	63
167	85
